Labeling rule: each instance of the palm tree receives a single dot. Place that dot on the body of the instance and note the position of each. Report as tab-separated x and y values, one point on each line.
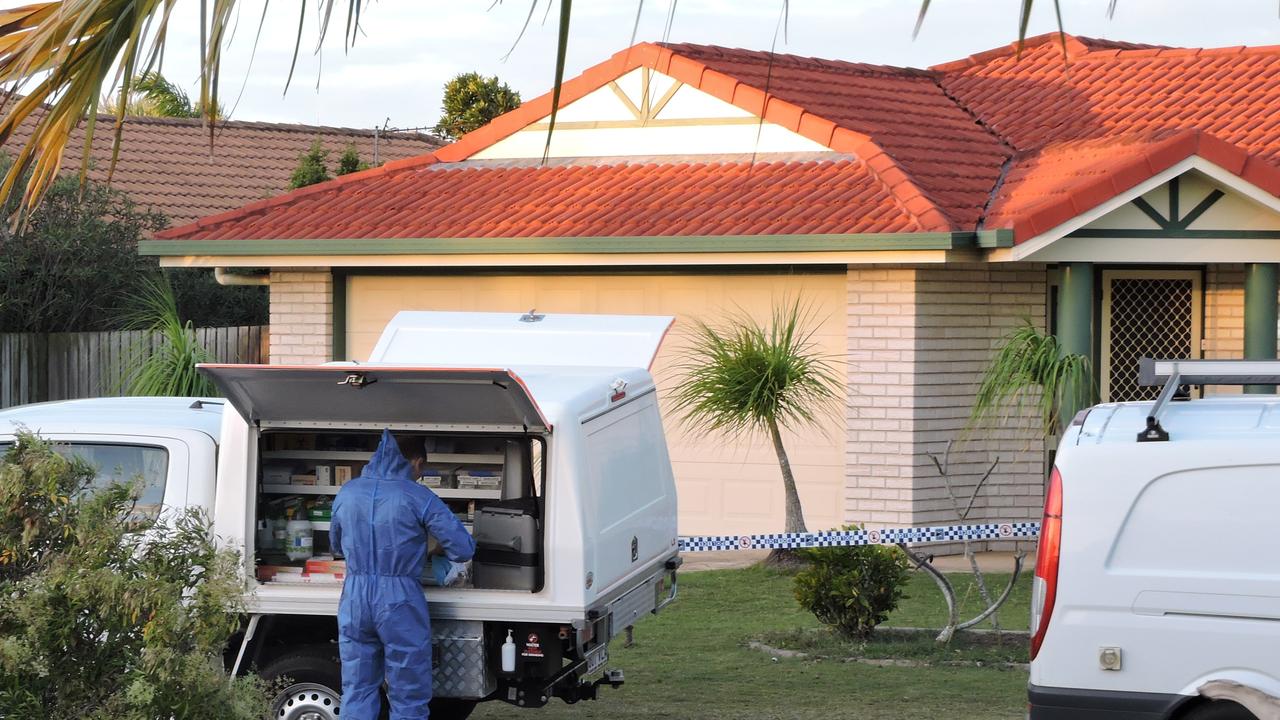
744	378
1030	366
165	360
57	58
153	95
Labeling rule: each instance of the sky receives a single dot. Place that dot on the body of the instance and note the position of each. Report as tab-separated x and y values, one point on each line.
408	49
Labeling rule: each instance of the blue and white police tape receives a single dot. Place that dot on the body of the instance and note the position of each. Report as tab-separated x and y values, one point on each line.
847	538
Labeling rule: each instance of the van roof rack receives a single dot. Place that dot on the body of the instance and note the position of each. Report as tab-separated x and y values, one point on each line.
1176	373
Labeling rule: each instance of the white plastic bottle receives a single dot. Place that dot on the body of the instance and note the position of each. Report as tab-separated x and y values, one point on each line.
300	539
509	654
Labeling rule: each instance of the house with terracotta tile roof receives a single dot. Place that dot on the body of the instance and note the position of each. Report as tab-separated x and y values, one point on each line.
1126	198
168	165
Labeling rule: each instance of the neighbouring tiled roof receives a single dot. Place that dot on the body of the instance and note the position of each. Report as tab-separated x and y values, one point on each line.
1004	139
167	164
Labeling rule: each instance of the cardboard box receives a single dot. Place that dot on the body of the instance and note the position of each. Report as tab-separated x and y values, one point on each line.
432	481
302	480
276	473
329	566
268	573
341	474
324	475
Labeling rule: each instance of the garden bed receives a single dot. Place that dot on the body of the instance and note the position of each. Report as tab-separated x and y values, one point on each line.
913	647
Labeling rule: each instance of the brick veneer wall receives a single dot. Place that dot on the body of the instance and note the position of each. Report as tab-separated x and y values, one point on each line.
301	316
919	339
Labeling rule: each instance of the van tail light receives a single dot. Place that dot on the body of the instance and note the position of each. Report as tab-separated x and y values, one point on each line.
1044	587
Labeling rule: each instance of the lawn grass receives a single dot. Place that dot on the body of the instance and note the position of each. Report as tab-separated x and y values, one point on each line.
692	661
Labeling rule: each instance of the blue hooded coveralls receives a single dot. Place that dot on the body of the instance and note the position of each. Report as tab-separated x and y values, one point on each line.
381	521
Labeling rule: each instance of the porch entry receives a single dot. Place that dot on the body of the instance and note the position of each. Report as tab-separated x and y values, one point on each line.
1146	313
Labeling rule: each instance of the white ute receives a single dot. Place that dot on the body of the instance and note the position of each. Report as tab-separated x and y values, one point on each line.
1157	588
542	433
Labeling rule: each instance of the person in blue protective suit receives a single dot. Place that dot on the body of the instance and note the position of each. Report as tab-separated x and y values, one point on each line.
381	522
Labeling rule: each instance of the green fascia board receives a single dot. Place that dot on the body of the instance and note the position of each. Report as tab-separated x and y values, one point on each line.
588	245
990	239
1175	233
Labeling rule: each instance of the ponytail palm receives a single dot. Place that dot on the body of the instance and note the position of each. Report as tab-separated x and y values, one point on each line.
165	359
1030	369
742	378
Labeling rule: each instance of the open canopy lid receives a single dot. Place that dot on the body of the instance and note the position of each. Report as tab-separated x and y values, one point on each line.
477	399
520	340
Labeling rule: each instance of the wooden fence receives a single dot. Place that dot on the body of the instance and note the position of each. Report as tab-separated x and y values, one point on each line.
35	367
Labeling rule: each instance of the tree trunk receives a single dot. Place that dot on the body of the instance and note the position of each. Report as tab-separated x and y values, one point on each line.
795	513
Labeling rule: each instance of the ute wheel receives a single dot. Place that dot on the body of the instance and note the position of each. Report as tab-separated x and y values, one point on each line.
309	684
451	708
308	681
1218	710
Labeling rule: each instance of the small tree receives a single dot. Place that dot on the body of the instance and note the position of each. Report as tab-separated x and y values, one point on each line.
74	263
350	161
744	377
471	100
311	167
165	361
101	614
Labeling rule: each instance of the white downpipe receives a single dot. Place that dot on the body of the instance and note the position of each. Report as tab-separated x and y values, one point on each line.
224	277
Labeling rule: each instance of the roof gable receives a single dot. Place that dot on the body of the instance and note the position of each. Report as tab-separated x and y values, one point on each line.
645	113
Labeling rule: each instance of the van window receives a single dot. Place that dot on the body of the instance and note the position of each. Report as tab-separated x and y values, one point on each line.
118	463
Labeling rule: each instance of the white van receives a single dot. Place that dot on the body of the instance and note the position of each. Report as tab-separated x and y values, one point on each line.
1157	587
542	433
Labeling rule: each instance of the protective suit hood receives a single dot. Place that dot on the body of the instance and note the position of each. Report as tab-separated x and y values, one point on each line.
388	463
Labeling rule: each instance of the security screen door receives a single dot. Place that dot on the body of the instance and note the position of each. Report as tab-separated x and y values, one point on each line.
1146	313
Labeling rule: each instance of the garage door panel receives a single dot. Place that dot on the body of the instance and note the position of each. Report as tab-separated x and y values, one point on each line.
726	486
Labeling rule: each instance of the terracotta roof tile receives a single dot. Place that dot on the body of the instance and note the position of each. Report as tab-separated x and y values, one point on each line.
657	197
1013	138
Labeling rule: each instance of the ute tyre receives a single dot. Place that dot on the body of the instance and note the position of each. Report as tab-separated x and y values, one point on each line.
1220	710
451	709
314	687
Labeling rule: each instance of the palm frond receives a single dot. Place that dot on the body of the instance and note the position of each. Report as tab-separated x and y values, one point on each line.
165	361
740	375
58	58
1030	376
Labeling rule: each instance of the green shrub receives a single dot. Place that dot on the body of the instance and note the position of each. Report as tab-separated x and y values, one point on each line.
851	589
104	614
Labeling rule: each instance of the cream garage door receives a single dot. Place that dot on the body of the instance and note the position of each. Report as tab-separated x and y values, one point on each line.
725	486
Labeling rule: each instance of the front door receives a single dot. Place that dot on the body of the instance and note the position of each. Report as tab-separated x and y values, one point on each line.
1146	313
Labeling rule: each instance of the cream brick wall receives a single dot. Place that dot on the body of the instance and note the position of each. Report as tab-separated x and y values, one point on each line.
919	339
301	316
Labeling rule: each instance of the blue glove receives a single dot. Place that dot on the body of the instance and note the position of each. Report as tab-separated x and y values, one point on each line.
445	571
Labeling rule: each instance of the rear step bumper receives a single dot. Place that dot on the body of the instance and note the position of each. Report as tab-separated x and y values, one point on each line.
1048	703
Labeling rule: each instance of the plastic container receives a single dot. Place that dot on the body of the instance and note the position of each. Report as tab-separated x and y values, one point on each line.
509	654
299	540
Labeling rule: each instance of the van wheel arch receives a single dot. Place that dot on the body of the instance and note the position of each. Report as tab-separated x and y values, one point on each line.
1215	710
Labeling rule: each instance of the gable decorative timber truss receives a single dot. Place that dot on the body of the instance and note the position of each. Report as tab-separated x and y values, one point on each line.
1174	224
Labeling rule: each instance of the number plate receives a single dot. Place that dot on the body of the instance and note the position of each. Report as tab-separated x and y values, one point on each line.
597	657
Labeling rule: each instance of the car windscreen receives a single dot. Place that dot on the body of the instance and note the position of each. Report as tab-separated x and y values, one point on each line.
120	463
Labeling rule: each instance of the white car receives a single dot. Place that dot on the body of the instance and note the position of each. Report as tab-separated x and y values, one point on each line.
1157	587
541	432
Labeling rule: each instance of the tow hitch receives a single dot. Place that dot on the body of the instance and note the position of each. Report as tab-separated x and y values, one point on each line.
587	690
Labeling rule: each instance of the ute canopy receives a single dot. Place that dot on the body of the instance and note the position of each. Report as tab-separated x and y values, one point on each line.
455	339
472	399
